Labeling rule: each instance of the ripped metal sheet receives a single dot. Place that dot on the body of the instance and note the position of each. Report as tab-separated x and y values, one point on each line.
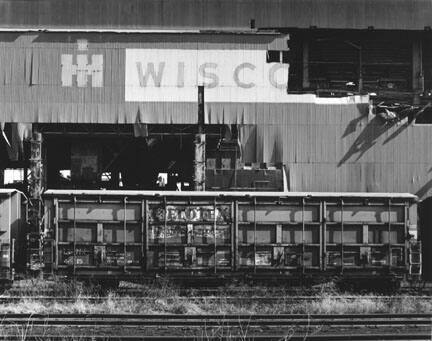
14	134
81	77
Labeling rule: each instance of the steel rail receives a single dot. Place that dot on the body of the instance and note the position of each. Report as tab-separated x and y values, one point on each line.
206	299
213	323
216	316
252	337
397	324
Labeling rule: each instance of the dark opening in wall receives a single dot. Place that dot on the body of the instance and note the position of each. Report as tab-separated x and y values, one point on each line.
360	61
425	117
277	56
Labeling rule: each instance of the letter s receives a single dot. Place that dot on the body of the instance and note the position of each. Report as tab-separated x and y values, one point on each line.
203	73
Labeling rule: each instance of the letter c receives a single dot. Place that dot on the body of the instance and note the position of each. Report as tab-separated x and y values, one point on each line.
236	75
272	73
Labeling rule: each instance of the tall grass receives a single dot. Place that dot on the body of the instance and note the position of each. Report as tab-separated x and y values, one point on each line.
162	297
179	305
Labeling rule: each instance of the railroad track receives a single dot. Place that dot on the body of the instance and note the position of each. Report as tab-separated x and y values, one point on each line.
218	320
188	327
208	299
325	337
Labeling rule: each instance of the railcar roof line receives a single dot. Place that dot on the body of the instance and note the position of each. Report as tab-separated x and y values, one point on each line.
141	31
77	192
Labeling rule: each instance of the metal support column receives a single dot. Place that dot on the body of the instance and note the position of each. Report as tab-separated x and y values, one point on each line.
34	246
389	232
234	236
56	233
305	82
215	236
144	235
74	235
254	243
200	145
324	235
321	221
417	70
124	233
165	233
406	232
303	236
360	71
341	237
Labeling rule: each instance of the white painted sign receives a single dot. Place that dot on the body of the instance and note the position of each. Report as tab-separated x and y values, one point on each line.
82	69
173	75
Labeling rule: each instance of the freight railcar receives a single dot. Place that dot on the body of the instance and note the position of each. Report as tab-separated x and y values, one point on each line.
112	235
12	235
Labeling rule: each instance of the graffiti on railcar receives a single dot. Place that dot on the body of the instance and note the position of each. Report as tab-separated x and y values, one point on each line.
178	213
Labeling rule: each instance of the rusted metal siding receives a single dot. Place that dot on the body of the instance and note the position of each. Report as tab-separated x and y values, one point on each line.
344	148
31	88
204	14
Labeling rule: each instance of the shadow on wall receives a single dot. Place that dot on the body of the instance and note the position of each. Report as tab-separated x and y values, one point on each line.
365	140
397	132
424	189
352	126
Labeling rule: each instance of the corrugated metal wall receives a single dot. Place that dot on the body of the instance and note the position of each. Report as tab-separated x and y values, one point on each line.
31	82
343	149
357	14
326	147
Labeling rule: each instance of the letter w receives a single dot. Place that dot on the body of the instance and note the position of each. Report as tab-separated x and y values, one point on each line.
150	72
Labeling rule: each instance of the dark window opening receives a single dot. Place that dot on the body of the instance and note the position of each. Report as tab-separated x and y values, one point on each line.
99	158
121	162
277	56
425	117
360	61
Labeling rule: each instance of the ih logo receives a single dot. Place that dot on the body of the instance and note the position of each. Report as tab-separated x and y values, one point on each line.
81	68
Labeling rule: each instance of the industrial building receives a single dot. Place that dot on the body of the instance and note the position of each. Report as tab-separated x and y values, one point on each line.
216	95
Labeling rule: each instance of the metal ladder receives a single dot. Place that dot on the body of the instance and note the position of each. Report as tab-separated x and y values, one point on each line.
415	259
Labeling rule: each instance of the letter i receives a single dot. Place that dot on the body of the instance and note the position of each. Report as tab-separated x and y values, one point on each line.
180	74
